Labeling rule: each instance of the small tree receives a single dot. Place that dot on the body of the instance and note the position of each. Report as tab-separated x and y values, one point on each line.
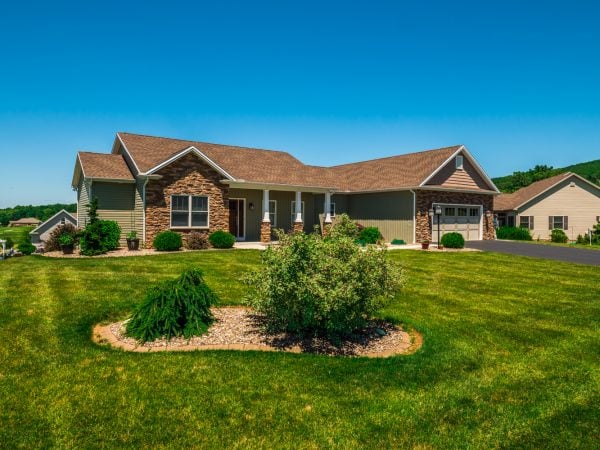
314	285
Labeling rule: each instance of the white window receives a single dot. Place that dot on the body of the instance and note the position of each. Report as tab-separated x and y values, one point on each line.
526	222
459	162
474	212
189	211
273	212
293	216
558	222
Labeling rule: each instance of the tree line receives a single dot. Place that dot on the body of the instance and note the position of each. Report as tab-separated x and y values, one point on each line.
41	212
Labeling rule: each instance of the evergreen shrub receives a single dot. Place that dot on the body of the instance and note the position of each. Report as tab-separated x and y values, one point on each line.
221	239
513	233
167	241
370	235
453	240
558	235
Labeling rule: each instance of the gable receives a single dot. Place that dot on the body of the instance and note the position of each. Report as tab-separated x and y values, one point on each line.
449	176
569	195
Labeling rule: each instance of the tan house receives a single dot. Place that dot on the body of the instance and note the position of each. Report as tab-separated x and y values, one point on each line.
151	184
566	201
42	232
25	222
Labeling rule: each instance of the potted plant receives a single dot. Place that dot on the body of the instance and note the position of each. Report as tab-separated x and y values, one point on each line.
67	243
425	244
133	243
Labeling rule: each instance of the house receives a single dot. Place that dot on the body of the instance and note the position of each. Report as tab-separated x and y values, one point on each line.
566	201
25	222
151	184
40	234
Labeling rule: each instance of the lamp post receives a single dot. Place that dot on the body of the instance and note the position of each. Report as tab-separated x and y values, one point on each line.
438	213
431	213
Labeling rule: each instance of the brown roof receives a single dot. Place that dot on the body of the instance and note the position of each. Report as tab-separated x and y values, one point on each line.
25	220
103	165
509	202
401	171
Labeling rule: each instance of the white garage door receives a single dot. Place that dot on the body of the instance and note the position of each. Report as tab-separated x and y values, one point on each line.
463	219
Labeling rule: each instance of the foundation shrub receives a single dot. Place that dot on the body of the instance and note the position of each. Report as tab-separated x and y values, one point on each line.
370	235
52	244
167	241
221	239
179	307
558	235
99	237
312	285
513	233
196	241
453	240
344	226
27	248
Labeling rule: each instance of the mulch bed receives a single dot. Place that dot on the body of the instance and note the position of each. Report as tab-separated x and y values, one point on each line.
237	328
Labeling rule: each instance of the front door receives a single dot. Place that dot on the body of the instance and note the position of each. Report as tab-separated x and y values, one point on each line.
237	218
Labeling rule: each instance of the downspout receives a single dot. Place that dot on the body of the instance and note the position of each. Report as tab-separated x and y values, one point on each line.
414	216
144	210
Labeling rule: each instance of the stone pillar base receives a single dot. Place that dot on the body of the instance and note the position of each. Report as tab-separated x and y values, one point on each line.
489	232
265	232
298	227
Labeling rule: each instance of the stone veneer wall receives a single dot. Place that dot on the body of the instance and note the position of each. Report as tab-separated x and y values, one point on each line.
192	176
425	200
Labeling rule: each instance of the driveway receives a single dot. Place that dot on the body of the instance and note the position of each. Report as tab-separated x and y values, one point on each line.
574	255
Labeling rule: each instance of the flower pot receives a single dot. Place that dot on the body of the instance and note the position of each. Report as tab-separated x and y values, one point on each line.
67	249
133	244
425	245
440	247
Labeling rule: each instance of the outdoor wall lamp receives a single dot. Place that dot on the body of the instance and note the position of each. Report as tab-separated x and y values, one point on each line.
488	214
251	206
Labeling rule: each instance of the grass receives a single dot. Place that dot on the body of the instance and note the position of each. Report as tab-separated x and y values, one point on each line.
567	244
17	234
510	359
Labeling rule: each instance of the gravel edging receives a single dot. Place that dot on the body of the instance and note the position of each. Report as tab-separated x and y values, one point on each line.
237	328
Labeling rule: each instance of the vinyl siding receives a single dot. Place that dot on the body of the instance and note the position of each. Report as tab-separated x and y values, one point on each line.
465	178
391	212
83	199
580	203
116	201
42	233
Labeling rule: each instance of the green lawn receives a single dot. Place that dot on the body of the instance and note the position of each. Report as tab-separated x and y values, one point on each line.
569	245
17	234
510	359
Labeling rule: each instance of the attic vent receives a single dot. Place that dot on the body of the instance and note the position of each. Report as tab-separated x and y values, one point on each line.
572	184
459	162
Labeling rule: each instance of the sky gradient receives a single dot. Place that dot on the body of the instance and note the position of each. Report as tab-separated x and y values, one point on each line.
518	83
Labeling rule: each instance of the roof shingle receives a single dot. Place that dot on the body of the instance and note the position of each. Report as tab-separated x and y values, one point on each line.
103	165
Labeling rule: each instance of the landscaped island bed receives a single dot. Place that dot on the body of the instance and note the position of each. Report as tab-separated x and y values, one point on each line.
509	359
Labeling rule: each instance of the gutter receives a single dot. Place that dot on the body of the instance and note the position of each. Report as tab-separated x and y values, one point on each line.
414	215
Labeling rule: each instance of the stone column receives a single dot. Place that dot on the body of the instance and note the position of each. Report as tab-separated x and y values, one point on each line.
489	232
265	226
298	226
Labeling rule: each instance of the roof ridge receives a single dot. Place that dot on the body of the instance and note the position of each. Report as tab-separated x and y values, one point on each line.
396	156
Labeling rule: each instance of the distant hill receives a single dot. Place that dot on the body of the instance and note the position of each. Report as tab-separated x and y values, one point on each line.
41	212
589	170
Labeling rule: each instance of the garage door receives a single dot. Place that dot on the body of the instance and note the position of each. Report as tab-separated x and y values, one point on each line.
463	219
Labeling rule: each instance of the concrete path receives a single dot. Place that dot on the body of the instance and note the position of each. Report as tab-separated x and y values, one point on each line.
567	254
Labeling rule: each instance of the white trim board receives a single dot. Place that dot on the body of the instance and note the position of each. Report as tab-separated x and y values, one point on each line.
198	153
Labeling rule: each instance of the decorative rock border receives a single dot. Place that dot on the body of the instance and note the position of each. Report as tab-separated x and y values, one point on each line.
238	328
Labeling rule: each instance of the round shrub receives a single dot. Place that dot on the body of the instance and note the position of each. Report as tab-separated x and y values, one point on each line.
370	235
167	241
52	243
453	240
559	236
27	248
326	286
196	241
179	307
513	233
221	239
99	237
344	226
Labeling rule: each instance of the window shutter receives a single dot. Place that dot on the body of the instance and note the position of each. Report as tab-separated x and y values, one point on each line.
531	226
550	220
566	222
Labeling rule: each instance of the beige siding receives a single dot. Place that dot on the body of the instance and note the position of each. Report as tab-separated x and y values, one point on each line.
391	212
580	203
138	206
116	201
466	178
83	199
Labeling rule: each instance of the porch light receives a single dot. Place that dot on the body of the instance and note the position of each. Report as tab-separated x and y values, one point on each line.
488	214
431	212
438	210
251	206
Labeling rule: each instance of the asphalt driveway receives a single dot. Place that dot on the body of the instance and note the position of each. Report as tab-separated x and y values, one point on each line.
574	255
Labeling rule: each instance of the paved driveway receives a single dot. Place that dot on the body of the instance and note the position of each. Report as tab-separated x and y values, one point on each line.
575	255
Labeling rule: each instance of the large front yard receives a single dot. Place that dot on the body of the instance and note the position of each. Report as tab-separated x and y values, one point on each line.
510	359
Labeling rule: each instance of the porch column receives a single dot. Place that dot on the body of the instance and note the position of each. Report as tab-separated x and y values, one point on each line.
298	225
265	226
327	207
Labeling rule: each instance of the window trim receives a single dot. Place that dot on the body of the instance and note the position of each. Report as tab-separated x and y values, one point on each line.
564	223
190	207
529	225
274	219
332	209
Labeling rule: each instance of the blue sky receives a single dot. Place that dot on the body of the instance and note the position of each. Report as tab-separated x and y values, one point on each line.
331	82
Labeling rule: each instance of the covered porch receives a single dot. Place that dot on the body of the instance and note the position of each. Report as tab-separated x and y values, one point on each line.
256	210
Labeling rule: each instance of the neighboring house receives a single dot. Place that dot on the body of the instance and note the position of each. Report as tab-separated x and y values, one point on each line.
566	201
25	222
151	184
42	232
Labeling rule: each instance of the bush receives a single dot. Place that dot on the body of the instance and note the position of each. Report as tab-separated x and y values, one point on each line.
453	240
221	239
344	226
99	237
196	241
581	239
315	285
66	239
167	241
8	244
179	307
27	248
513	233
370	235
52	244
559	236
